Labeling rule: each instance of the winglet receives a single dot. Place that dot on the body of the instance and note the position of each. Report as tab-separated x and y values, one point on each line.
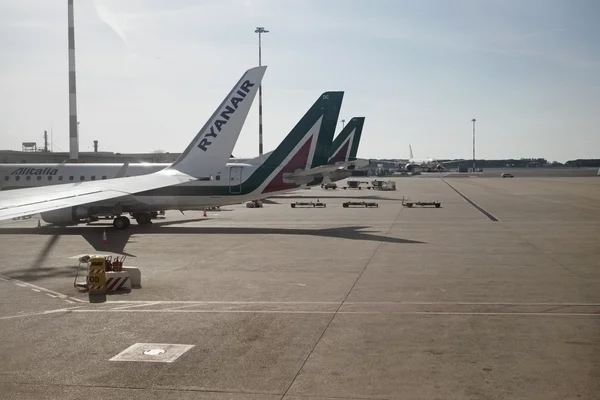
210	150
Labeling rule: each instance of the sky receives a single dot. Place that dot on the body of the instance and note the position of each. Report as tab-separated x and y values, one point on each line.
151	72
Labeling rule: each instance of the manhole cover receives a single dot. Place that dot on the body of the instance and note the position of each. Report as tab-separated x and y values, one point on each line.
154	352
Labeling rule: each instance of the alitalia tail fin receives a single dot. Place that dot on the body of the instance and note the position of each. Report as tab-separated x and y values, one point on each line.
308	145
345	145
210	150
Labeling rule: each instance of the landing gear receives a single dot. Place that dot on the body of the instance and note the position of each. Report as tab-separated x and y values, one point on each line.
143	218
120	223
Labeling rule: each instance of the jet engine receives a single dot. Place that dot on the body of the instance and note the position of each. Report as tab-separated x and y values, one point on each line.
66	216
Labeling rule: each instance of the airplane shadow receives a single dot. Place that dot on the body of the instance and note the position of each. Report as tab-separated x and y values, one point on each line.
117	240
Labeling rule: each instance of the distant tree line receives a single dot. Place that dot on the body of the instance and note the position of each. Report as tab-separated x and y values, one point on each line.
527	163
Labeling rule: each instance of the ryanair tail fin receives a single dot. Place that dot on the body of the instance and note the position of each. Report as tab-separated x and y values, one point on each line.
208	153
410	152
345	145
308	145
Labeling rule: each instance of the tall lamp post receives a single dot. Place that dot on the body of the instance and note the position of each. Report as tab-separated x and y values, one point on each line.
473	120
260	30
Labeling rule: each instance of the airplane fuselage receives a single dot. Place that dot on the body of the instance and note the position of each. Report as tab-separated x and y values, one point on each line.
238	182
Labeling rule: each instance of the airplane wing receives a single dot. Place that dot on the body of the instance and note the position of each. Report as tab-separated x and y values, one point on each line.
323	169
22	202
206	154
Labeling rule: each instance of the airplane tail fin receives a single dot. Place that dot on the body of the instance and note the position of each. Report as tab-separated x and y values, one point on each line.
345	145
410	152
307	145
208	153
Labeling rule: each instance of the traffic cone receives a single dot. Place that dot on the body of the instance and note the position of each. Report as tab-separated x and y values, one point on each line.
104	238
205	213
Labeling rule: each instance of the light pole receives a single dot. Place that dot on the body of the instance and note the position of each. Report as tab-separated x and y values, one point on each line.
260	30
473	120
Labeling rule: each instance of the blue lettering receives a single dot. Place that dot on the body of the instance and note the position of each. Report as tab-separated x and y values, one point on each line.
219	123
228	110
225	115
246	86
235	101
204	143
211	133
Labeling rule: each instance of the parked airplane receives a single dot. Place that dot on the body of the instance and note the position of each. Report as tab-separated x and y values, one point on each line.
287	168
205	156
426	165
18	176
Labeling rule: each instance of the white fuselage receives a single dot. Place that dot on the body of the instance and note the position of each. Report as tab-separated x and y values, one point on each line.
234	184
430	162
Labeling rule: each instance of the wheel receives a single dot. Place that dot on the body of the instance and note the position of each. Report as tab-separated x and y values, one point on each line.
409	204
142	218
345	205
437	205
121	223
293	205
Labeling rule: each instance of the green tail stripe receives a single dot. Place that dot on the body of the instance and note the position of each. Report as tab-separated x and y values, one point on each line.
327	106
360	121
355	123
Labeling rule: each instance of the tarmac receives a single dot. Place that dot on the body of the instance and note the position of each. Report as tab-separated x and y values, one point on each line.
494	295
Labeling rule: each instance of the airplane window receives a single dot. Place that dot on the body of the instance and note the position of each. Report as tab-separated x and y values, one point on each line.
93	177
17	178
27	178
71	178
60	178
218	177
49	177
39	178
6	178
104	177
82	177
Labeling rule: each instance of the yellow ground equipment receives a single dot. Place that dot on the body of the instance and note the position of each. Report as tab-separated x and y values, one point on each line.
97	275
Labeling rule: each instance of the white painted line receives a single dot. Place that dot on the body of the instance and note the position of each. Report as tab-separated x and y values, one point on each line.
69	301
30	285
414	303
469	303
216	302
78	300
137	305
3	279
51	295
35	290
65	310
338	312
